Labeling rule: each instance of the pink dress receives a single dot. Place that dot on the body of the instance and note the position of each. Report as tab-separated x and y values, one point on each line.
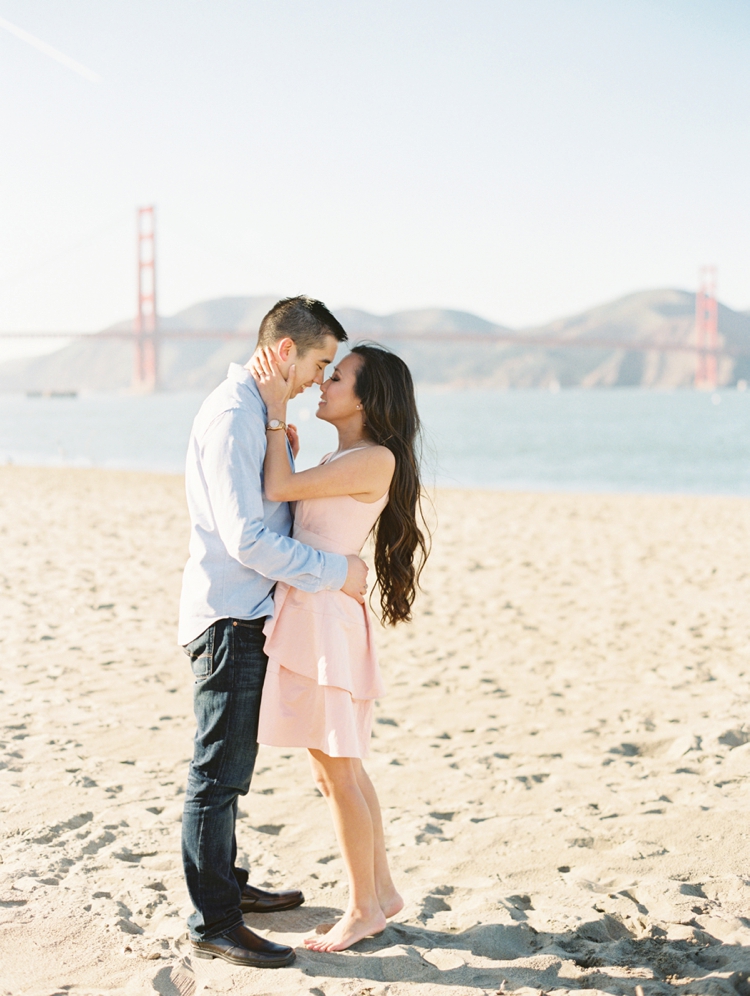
323	675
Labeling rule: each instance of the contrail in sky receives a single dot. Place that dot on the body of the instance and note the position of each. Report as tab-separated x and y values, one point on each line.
64	60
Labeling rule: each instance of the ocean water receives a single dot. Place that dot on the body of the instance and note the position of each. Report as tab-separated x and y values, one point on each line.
616	441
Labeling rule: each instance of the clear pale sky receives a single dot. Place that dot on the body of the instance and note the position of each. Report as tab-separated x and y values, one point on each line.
521	160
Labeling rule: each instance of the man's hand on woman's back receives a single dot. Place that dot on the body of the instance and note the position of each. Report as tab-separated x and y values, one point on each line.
356	579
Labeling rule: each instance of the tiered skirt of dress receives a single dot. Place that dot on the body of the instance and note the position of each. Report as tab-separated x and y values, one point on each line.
323	676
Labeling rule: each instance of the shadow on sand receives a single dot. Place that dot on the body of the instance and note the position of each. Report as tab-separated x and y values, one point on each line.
602	954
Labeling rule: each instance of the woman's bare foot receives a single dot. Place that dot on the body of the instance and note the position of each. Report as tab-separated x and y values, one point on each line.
391	902
352	927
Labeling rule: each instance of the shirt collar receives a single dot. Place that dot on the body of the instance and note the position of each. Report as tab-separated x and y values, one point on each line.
241	375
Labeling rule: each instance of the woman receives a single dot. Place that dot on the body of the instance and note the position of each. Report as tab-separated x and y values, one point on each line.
322	676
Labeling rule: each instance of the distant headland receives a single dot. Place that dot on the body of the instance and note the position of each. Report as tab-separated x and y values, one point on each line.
613	338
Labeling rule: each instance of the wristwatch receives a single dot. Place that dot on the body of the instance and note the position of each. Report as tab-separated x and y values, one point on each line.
276	423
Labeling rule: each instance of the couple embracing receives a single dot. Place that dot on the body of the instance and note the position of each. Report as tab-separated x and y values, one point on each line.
273	614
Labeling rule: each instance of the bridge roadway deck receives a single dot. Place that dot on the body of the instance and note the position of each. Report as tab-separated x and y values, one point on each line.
436	337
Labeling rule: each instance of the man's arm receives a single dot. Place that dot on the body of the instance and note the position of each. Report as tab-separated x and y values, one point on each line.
232	451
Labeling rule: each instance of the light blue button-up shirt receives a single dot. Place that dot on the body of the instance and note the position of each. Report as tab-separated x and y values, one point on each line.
239	542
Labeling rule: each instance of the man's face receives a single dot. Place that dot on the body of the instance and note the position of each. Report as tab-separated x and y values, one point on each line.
310	368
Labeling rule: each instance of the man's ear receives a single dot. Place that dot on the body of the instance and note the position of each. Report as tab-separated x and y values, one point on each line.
283	348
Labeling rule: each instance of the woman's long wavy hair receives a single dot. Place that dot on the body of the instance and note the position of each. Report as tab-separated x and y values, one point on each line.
385	390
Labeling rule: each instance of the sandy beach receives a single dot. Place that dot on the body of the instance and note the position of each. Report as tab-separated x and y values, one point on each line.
563	755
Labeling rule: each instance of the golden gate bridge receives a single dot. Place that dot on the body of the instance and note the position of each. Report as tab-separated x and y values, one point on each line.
146	334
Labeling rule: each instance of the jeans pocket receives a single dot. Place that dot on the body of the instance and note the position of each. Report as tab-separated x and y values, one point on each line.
201	654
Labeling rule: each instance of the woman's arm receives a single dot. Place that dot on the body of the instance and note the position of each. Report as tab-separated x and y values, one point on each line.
365	474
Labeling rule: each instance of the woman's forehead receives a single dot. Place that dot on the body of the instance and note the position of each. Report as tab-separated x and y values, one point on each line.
350	362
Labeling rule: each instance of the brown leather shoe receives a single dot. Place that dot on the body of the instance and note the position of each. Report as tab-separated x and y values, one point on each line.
257	901
241	946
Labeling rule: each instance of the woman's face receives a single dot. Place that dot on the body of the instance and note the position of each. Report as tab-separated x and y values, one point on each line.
338	401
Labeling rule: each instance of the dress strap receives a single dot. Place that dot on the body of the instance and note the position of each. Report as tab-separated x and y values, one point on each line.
332	456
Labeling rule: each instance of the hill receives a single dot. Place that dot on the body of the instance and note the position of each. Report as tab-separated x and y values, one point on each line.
101	364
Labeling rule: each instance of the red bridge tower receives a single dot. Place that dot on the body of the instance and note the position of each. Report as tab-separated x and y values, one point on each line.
145	371
706	330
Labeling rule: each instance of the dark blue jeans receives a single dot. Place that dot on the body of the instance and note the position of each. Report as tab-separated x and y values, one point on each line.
229	667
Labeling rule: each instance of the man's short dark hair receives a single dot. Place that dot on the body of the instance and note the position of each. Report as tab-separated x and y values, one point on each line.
303	320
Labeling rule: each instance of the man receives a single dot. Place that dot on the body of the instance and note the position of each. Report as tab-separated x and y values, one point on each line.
239	547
